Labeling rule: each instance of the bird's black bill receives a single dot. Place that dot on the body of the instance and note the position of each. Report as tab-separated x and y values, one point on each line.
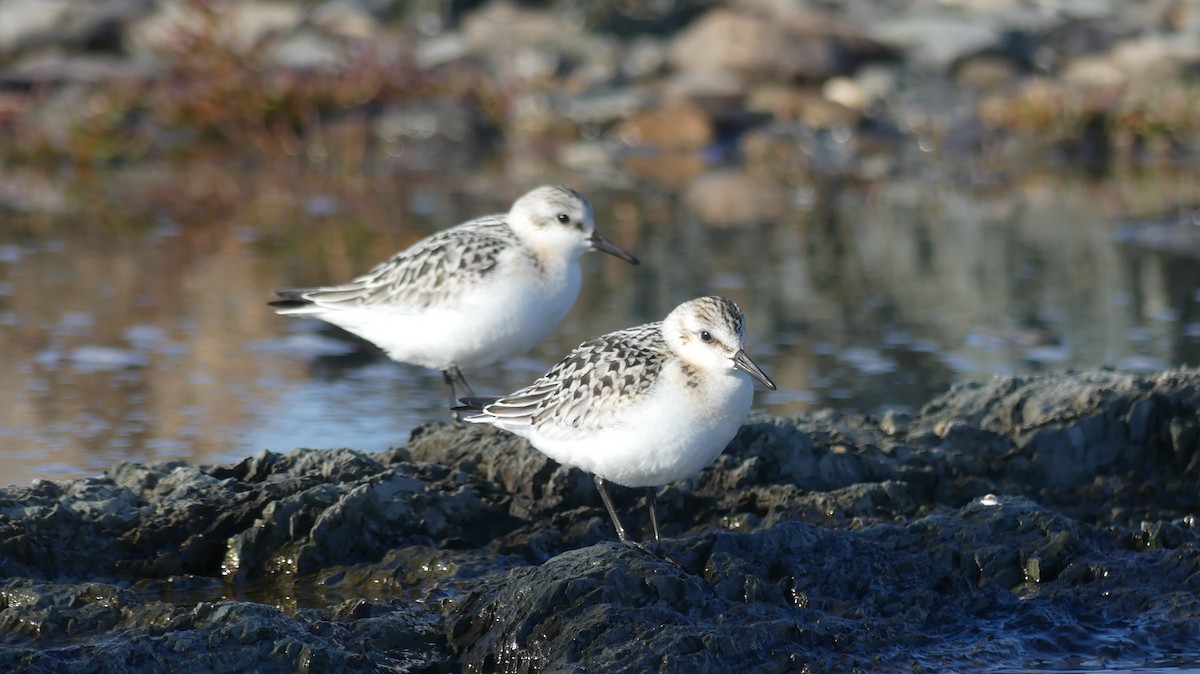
742	362
605	246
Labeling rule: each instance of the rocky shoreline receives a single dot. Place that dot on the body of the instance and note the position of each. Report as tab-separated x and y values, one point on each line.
795	87
1023	521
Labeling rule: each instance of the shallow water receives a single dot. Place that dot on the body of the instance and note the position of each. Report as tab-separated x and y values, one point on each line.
133	322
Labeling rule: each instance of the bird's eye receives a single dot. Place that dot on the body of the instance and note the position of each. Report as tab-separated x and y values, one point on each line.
564	218
705	336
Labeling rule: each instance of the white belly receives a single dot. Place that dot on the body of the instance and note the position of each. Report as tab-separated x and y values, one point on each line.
488	324
672	436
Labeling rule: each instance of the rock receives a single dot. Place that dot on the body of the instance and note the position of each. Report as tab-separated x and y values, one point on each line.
440	50
673	126
644	57
1113	419
91	26
622	18
665	144
1094	71
240	26
307	49
732	198
533	48
980	531
986	72
30	191
605	106
1072	40
715	90
790	598
209	636
349	19
423	121
434	134
503	26
26	21
809	108
936	42
725	40
51	68
846	92
1156	56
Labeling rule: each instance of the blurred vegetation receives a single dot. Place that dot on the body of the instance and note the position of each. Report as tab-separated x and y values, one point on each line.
209	92
1159	115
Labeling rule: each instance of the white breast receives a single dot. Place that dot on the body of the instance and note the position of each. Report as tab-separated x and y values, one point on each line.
515	310
672	435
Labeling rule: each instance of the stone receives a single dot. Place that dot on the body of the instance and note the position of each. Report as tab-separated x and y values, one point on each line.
732	198
835	542
240	26
24	21
532	47
673	126
936	42
724	40
349	19
986	72
90	26
665	144
807	107
307	49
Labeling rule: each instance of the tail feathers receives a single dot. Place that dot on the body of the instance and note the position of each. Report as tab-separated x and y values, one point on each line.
292	300
473	404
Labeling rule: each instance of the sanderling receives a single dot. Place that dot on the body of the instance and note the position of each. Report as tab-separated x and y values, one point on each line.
640	407
472	295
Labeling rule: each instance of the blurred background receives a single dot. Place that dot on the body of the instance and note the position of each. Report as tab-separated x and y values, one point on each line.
901	194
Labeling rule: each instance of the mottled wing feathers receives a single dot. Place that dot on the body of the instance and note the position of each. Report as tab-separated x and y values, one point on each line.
591	387
427	274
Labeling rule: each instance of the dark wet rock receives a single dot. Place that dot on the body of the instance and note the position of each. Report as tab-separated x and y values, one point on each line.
798	596
72	622
1018	520
1072	429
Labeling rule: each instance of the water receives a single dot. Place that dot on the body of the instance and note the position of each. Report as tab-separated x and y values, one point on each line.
133	322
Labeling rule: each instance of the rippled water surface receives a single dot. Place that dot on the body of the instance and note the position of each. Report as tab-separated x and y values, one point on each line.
133	323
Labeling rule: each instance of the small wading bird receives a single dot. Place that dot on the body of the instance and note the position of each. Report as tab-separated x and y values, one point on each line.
640	407
479	293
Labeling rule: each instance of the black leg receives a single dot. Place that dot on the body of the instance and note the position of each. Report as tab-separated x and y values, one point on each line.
453	376
652	499
450	382
602	487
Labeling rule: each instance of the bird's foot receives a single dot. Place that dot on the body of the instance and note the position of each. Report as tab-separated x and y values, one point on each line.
655	551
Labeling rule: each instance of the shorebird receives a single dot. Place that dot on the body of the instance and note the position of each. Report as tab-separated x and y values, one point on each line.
639	407
479	293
